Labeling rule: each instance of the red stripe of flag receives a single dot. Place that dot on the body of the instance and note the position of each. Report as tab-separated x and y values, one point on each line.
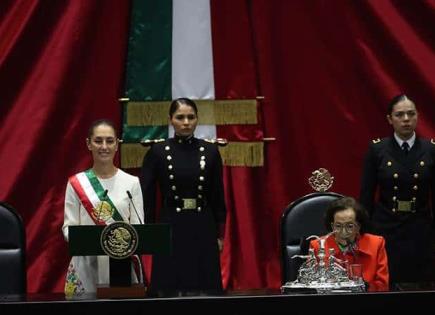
87	204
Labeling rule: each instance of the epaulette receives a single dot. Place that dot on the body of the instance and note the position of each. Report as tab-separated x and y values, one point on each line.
219	141
377	140
432	141
150	142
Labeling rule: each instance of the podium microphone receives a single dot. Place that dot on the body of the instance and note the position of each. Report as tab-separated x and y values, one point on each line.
134	207
103	198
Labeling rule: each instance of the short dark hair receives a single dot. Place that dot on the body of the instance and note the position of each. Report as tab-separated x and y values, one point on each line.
343	204
100	122
396	99
179	101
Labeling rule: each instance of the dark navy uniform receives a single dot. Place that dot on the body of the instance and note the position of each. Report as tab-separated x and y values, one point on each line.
188	173
398	191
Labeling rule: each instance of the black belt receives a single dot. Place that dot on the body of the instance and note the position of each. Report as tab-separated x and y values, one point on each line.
185	203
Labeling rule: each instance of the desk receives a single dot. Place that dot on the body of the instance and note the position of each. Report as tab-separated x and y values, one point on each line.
233	302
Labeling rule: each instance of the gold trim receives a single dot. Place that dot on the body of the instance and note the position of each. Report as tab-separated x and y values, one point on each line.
234	154
243	154
147	113
132	155
211	112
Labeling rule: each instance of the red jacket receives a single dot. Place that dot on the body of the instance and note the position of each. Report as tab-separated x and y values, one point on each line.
370	253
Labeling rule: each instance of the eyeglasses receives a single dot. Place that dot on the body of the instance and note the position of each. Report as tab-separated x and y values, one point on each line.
349	227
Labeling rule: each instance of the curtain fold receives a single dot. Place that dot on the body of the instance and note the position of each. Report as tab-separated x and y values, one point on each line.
326	69
61	67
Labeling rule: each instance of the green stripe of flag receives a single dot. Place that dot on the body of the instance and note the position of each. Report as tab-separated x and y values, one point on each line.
150	51
149	68
99	190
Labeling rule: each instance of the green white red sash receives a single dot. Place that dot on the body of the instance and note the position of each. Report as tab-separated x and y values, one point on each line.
91	194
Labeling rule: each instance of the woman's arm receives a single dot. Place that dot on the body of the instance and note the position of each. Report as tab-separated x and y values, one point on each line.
148	184
369	180
71	210
381	281
137	200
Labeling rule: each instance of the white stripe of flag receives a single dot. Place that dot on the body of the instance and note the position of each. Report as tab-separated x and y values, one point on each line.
192	56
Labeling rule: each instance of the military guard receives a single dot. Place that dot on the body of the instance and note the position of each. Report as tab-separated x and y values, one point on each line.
188	174
397	188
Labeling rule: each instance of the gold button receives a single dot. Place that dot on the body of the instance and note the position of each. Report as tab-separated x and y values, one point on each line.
394	198
199	209
169	167
395	187
171	176
176	197
394	209
389	163
395	175
167	148
416	175
414	199
199	187
201	149
199	196
169	157
421	163
178	209
415	187
201	178
174	188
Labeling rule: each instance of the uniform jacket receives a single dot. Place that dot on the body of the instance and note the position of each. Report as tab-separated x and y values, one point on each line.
398	176
186	169
370	253
389	176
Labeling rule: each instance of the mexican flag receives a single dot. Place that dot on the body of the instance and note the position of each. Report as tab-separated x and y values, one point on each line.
178	49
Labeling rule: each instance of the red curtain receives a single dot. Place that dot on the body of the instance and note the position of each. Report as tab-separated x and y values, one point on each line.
326	69
61	67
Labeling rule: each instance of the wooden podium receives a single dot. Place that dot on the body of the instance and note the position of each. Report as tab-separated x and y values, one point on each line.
85	240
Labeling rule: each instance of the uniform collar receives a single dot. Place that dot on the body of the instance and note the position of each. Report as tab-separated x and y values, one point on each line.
410	141
185	140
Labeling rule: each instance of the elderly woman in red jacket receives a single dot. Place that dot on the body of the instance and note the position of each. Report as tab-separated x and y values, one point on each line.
346	220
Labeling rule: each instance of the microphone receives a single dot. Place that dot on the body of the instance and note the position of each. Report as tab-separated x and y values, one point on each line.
134	207
103	198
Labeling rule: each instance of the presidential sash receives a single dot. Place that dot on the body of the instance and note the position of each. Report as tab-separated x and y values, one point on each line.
94	199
